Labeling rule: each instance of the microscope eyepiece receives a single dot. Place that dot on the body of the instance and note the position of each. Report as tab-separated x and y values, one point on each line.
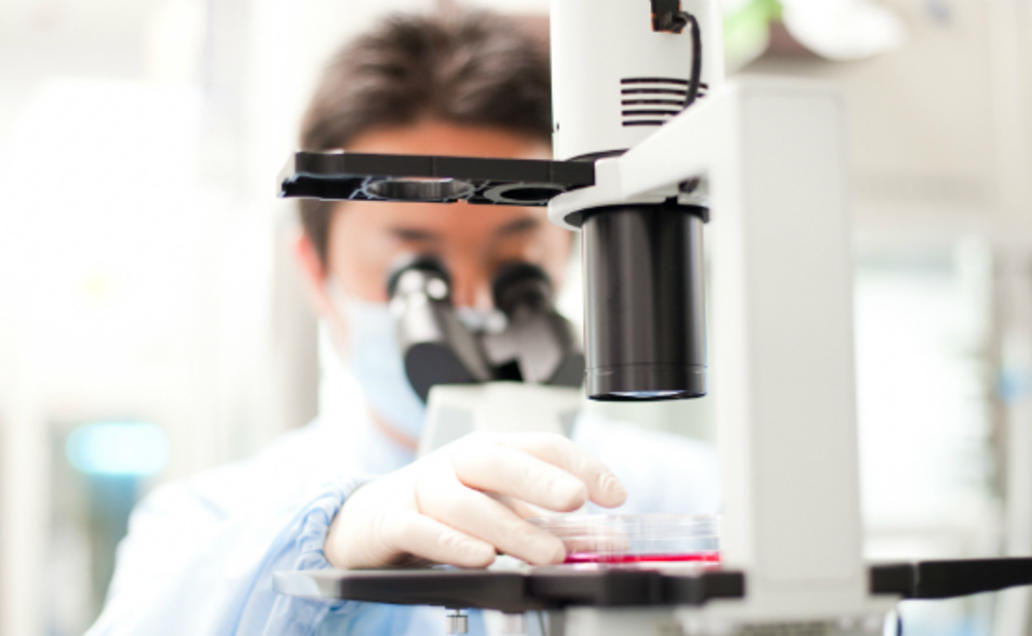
519	284
418	270
538	339
435	347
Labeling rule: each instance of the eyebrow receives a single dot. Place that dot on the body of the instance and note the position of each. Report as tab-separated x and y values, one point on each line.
518	226
414	234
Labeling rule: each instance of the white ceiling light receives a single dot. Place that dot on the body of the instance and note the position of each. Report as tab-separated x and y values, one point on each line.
843	29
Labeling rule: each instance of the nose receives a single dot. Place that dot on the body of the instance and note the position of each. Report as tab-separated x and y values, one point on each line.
471	283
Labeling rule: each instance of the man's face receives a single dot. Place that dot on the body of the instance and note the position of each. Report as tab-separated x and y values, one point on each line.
366	239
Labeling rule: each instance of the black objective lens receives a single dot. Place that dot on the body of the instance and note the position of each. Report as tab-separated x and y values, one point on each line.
644	311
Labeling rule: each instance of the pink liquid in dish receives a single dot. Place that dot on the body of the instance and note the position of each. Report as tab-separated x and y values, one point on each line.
591	557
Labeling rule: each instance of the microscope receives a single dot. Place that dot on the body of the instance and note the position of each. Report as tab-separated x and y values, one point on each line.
518	368
651	147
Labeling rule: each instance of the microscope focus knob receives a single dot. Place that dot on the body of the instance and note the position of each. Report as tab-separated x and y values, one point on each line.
457	622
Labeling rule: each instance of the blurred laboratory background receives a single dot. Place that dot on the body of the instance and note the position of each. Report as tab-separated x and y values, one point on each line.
151	324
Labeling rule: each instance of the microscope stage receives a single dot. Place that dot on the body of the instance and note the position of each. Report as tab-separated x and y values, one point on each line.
554	587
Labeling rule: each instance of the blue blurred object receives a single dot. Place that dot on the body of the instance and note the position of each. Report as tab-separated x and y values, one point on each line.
1013	384
128	448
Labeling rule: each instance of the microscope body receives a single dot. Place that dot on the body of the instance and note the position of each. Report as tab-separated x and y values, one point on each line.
456	410
781	361
765	160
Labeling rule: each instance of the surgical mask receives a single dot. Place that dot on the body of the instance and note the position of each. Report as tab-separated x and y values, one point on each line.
376	363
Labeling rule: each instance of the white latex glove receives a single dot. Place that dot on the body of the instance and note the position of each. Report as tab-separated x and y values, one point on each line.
467	501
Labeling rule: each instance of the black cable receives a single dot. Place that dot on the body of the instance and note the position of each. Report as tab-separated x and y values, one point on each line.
693	85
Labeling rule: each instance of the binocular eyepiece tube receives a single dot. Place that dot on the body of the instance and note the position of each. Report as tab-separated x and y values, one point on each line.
533	343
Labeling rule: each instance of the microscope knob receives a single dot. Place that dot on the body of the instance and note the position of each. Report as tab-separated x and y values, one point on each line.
457	622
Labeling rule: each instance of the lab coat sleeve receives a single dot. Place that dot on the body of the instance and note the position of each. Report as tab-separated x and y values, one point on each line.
190	565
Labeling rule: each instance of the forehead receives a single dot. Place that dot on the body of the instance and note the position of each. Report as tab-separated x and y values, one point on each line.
435	137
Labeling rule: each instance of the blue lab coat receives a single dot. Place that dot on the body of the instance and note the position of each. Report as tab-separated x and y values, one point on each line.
200	554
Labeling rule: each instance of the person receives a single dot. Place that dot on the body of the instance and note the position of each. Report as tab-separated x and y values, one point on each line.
347	490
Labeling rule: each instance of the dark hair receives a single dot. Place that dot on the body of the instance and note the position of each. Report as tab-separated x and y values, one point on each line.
468	68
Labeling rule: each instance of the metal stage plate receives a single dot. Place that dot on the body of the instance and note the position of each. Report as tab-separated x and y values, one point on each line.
382	177
569	586
540	588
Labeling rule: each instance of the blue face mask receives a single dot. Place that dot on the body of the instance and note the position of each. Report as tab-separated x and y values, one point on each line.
376	364
375	357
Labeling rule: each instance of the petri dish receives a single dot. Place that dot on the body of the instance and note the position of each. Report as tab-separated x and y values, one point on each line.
631	539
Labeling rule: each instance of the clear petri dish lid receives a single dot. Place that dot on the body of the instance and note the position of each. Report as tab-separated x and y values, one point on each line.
636	538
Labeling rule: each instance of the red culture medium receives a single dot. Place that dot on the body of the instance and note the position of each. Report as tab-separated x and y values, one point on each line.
591	557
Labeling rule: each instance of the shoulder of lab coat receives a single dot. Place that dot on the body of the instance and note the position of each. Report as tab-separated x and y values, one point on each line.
663	472
200	553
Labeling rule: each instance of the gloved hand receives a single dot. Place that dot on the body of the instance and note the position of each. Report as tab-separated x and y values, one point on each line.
467	501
